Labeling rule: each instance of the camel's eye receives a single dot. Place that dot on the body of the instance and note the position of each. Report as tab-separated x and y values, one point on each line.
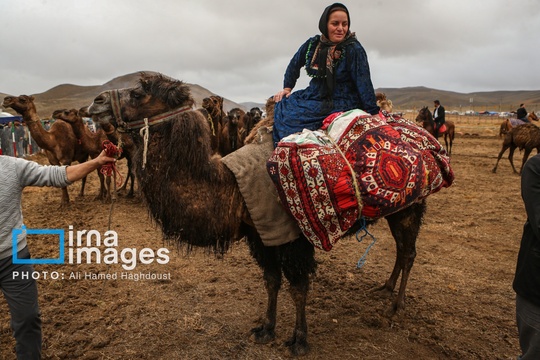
137	94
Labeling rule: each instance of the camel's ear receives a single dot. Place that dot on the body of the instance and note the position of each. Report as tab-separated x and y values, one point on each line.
31	98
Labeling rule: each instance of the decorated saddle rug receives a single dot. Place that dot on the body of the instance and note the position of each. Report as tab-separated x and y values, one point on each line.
516	122
357	165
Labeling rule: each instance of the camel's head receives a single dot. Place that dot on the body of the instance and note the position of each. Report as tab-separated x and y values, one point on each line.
153	95
70	116
83	112
256	114
533	116
235	115
20	104
384	103
213	104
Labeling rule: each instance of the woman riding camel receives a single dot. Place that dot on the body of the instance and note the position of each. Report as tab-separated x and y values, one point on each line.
341	81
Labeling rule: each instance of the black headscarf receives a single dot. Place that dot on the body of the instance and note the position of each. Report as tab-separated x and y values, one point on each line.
323	22
325	45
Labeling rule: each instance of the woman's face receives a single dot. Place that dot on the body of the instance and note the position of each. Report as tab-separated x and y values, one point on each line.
338	26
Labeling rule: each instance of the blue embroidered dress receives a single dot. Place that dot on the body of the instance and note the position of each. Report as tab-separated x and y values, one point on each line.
304	109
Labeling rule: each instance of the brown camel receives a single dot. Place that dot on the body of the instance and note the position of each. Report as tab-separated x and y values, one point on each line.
525	137
250	120
196	200
212	109
424	116
233	132
508	124
125	142
384	103
92	143
60	143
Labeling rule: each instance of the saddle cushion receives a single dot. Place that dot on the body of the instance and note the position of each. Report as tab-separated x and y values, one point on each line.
394	164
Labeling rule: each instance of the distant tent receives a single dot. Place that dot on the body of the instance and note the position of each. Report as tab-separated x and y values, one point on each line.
7	117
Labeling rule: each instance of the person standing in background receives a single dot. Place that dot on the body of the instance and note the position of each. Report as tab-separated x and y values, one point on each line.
526	282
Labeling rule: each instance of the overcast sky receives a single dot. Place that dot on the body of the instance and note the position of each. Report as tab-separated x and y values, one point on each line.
239	49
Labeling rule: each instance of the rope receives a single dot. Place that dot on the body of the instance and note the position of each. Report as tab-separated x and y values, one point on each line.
144	134
110	169
209	118
362	260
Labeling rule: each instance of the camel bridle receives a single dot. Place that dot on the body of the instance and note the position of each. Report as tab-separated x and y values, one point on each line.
142	125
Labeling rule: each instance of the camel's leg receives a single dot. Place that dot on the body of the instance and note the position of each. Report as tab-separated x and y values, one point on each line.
504	147
129	177
101	194
298	262
525	157
65	197
131	191
511	158
405	226
268	259
83	184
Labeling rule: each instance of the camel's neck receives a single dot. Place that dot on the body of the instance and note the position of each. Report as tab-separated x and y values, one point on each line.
42	137
90	141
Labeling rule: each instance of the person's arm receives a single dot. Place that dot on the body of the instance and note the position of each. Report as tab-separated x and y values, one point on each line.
77	172
292	73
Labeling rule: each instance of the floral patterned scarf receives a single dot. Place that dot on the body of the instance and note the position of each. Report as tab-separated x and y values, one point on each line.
320	62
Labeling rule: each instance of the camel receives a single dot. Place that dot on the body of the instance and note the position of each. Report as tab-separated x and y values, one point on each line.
526	136
60	143
384	103
212	108
233	133
91	143
196	200
124	141
250	119
424	116
508	124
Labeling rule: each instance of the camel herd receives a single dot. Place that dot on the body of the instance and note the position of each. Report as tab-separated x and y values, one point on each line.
229	130
69	139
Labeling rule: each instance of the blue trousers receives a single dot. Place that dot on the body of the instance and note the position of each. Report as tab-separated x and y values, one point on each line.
22	298
528	323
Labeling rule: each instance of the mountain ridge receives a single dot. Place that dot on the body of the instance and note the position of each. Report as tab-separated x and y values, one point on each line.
75	96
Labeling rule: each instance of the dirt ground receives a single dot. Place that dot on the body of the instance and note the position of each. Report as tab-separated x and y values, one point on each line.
460	303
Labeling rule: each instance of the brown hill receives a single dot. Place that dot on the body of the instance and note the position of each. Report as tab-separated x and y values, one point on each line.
75	96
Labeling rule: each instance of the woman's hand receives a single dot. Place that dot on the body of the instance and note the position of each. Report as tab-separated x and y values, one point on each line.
283	93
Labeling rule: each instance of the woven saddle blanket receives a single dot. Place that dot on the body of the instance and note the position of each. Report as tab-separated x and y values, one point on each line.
357	165
274	225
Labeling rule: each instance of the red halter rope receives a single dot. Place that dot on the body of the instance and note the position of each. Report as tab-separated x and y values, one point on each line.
110	169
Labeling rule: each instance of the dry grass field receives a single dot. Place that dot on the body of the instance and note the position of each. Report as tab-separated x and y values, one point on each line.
460	303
